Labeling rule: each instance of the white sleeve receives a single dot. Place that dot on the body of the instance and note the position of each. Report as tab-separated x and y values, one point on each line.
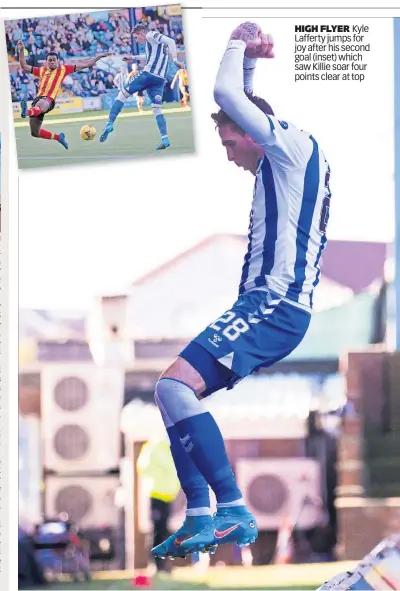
249	66
229	95
281	141
170	43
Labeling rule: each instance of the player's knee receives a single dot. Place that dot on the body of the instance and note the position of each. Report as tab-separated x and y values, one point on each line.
122	96
34	133
176	399
157	110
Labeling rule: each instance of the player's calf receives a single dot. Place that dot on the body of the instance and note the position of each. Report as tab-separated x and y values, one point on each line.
162	127
48	135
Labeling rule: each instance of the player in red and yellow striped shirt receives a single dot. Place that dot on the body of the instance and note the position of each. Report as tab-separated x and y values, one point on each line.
51	76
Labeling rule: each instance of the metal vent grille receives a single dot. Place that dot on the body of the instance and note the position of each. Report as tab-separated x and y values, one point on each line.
71	442
71	394
75	501
267	494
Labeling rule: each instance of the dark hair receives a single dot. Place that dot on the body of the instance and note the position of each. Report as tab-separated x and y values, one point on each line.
53	53
221	118
139	27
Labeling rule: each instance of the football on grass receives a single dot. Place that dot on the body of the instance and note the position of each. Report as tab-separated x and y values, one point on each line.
88	132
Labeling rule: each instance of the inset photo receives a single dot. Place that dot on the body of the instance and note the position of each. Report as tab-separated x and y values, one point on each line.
109	84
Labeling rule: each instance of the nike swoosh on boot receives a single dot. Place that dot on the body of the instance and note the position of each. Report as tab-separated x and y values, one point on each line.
221	534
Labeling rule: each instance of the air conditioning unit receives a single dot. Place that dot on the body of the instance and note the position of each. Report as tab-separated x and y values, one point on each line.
178	509
89	501
80	410
281	489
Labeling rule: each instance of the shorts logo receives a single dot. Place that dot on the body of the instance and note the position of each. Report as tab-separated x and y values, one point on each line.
283	124
215	340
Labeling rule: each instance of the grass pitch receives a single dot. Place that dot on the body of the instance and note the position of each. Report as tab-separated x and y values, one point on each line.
135	135
286	577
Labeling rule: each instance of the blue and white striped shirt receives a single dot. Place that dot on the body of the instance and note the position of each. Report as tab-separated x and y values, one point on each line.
157	50
291	198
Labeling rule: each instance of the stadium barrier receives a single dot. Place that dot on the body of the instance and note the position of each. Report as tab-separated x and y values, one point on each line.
92	103
379	570
109	98
63	105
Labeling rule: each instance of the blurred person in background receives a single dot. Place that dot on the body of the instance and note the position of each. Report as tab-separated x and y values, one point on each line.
183	82
157	468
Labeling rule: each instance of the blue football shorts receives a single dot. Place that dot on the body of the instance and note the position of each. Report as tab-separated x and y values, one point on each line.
260	329
146	81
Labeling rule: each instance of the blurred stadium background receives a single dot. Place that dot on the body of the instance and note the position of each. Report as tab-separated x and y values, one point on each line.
314	441
87	96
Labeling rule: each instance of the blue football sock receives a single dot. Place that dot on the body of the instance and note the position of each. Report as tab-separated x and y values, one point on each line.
162	124
192	482
115	110
200	437
203	441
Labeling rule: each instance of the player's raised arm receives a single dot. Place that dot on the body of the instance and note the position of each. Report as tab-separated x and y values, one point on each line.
262	47
229	87
90	62
21	58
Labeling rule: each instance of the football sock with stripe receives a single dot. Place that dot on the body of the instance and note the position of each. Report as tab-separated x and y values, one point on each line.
162	125
192	482
34	111
200	437
115	110
47	135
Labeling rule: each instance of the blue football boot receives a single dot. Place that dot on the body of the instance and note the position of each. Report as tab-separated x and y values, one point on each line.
228	526
165	143
172	546
106	132
63	140
24	108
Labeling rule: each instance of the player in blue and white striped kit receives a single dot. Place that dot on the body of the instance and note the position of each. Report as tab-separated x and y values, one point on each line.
159	48
287	236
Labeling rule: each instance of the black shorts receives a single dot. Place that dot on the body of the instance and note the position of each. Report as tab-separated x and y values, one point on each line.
186	87
140	93
52	104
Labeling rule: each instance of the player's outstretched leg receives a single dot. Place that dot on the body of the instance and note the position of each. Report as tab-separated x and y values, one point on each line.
38	132
197	495
115	111
203	442
58	137
162	126
24	108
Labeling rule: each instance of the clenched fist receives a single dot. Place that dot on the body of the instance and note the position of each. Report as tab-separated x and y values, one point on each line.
262	47
246	32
